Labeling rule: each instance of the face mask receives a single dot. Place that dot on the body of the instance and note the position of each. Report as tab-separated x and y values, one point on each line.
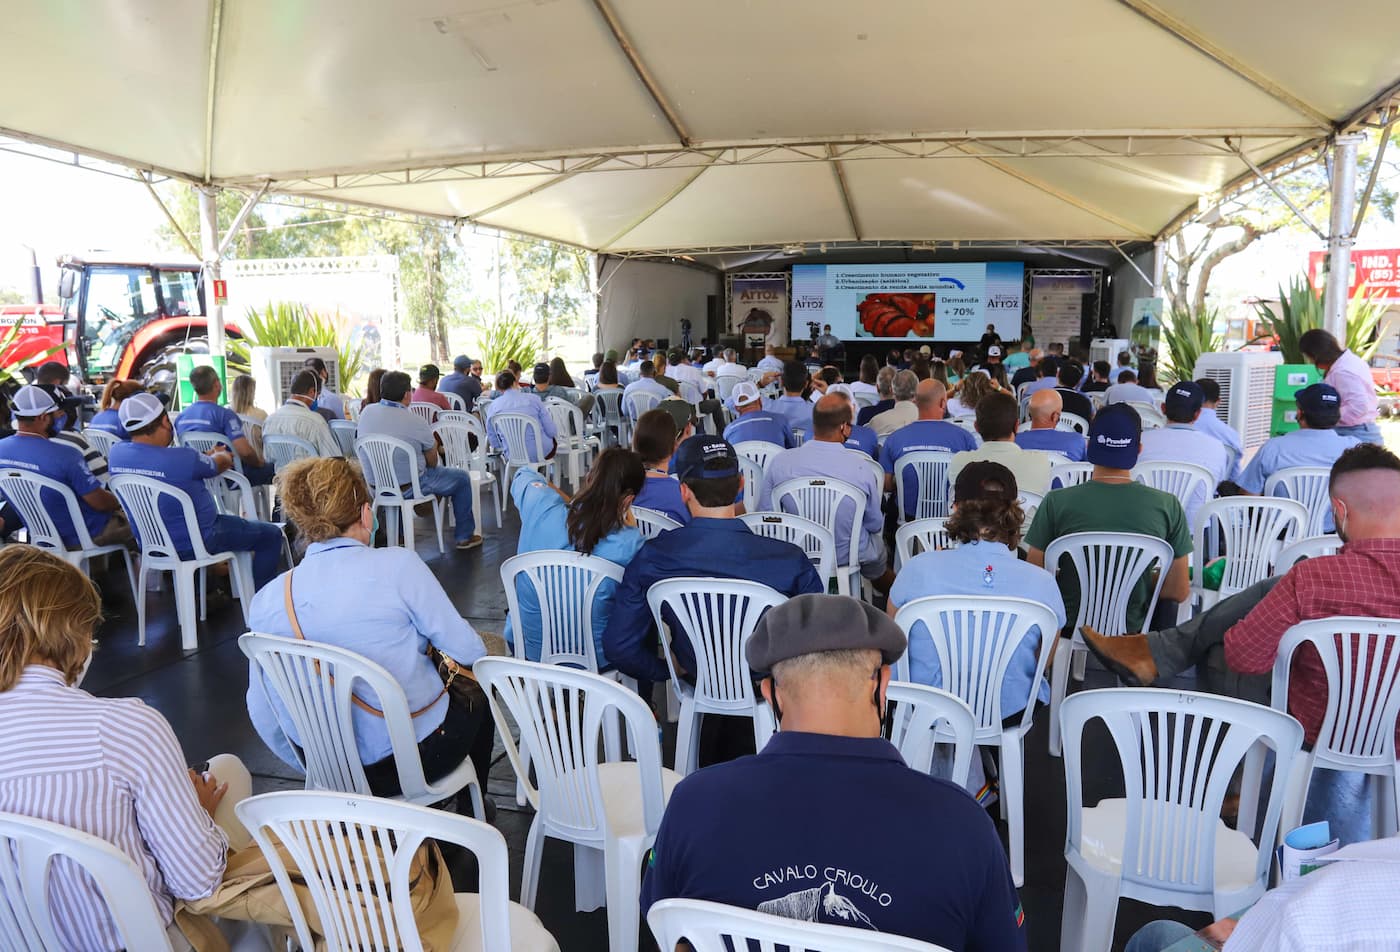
58	423
316	402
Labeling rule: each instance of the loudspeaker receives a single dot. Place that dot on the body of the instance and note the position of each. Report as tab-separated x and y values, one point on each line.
714	317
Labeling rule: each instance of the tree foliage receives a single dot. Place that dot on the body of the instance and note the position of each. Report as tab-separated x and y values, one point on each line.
552	285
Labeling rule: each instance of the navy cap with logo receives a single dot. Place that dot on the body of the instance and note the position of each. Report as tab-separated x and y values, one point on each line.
1185	398
705	457
1321	403
1115	437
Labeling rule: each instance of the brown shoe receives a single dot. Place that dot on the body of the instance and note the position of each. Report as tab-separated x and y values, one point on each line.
1126	656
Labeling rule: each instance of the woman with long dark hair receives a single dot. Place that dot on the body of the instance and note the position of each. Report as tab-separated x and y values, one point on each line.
598	522
655	438
372	395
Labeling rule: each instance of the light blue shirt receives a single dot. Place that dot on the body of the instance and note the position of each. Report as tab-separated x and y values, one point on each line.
663	494
518	401
1016	361
1043	383
1056	441
833	460
1130	393
1183	443
760	425
387	418
770	364
979	568
205	416
1209	422
644	385
797	412
382	603
1299	448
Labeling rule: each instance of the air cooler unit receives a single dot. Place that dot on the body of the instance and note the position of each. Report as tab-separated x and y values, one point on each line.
1246	380
275	367
1107	349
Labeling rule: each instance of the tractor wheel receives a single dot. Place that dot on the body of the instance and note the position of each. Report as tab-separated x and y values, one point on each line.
159	373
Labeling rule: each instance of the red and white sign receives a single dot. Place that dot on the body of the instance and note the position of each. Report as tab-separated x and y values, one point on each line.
1374	272
221	292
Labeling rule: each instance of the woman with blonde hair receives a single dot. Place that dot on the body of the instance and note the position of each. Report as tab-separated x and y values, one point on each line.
969	393
113	394
240	399
383	604
109	767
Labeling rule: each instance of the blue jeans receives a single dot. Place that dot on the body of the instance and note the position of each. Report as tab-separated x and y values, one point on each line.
1365	432
457	485
1157	936
264	540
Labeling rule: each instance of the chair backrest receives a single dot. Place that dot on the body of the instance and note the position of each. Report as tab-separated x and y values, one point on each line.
975	638
314	681
565	584
638	402
865	399
1182	480
456	416
233	494
1064	475
282	449
568	418
428	411
377	455
814	539
920	535
968	422
521	434
455	436
716	616
724	385
653	523
1073	422
560	713
1309	548
142	498
714	927
1249	531
101	440
760	451
610	402
203	441
1308	485
344	432
1109	565
1152	418
819	498
1030	502
752	471
1361	657
454	401
26	491
689	392
355	855
1178	750
930	471
33	852
924	717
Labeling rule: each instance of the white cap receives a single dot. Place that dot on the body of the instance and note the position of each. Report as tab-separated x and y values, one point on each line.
841	388
994	351
926	349
745	393
31	401
954	353
140	409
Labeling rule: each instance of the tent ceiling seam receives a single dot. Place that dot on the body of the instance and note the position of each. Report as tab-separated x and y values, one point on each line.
503	203
845	194
670	196
1064	196
639	67
211	100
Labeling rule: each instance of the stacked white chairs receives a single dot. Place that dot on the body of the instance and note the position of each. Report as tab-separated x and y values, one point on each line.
717	617
924	717
28	920
713	927
281	450
1361	657
1164	842
315	682
378	455
1309	548
975	639
1250	532
1064	475
610	418
1308	485
26	491
610	806
652	523
454	401
638	402
524	447
920	535
456	436
572	445
101	440
354	857
345	432
930	469
428	411
1108	566
815	540
820	499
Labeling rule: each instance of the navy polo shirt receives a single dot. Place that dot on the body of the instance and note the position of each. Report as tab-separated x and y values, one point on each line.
803	830
182	468
204	416
866	414
709	548
64	463
761	425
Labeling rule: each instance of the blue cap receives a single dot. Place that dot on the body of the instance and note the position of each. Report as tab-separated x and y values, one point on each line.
461	362
1320	402
692	457
1115	437
1185	398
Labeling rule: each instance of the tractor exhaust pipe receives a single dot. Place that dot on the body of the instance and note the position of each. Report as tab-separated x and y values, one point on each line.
35	277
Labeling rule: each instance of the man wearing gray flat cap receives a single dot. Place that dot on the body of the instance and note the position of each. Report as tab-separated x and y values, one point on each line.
827	823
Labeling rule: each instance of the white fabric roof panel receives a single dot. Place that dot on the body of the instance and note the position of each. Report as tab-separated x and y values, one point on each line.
629	125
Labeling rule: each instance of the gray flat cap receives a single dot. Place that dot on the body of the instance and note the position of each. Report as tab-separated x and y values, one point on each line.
811	623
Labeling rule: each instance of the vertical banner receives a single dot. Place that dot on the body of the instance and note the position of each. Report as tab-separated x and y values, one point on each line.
758	304
1146	333
1057	304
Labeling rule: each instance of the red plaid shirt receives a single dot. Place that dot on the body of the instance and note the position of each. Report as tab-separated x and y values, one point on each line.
1362	579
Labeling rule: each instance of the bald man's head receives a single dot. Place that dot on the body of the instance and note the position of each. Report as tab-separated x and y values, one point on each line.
829	415
931	398
1365	490
1045	409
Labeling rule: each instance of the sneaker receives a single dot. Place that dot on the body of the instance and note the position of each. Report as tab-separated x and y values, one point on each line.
471	543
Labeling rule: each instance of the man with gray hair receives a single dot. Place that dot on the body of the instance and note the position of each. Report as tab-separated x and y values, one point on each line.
884	390
789	831
906	384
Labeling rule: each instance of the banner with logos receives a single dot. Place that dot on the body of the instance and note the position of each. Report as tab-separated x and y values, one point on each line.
758	304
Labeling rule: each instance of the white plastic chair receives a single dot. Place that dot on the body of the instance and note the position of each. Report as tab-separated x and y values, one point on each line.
1070	474
1069	423
344	432
714	927
872	464
202	441
454	401
760	451
1108	565
456	416
524	447
638	402
597	805
724	385
975	638
235	496
968	421
921	535
281	450
814	539
1308	485
377	456
1181	480
141	497
1152	418
572	446
1250	531
930	469
355	854
1309	548
752	471
1030	502
652	523
28	851
314	681
565	585
1361	657
1164	842
101	440
924	717
25	491
428	411
819	499
456	436
610	418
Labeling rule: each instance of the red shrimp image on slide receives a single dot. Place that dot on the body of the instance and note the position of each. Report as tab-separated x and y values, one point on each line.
903	314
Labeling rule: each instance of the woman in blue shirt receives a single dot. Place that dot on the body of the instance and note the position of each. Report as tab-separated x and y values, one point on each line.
384	604
598	522
106	418
655	438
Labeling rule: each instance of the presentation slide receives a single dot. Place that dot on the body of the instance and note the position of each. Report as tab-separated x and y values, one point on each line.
947	302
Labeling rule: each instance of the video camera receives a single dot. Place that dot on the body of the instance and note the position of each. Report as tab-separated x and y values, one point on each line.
815	329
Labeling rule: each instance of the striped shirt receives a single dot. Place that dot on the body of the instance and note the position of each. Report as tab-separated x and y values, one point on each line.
110	767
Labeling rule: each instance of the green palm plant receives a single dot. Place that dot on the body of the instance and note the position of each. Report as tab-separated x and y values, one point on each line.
1188	335
1300	309
507	339
290	324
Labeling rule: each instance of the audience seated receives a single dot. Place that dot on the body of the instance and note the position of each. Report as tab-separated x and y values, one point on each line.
1045	407
298	417
1316	442
205	415
427	389
607	377
1048	379
654	439
646	383
865	382
240	400
392	417
1351	377
769	362
465	380
65	430
327	400
968	393
930	431
903	412
1067	386
560	384
113	394
1127	390
1098	378
884	391
510	398
1180	442
1031	371
793	406
1209	422
861	438
756	423
1110	501
747	834
384	604
730	366
996	424
109	767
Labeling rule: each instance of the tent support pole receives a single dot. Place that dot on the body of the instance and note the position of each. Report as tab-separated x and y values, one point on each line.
209	238
1334	314
1282	195
1365	202
845	193
155	196
1141	273
248	205
1159	267
635	59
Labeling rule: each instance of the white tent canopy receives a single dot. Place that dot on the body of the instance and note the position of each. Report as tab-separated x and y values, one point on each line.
672	126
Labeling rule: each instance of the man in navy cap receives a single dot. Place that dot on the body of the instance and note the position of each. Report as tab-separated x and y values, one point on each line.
1180	442
1316	442
465	380
785	832
715	545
